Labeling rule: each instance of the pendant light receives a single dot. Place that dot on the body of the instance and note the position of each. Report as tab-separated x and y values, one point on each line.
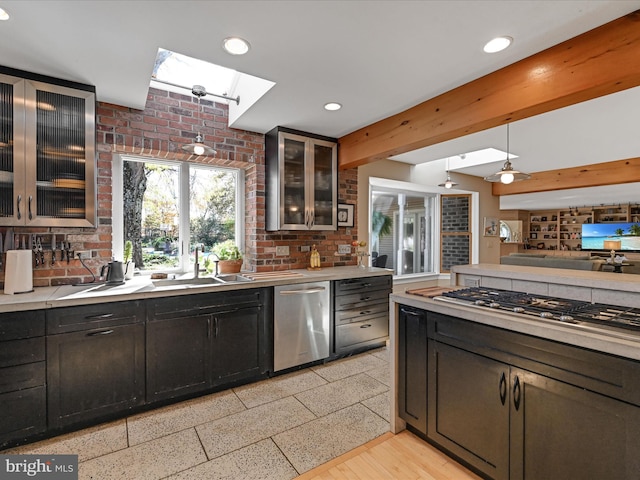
507	174
198	147
448	183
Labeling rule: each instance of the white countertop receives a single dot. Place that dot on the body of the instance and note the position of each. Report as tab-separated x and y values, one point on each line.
623	282
142	287
614	342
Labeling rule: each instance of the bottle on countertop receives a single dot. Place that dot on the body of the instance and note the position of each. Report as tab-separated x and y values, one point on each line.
315	258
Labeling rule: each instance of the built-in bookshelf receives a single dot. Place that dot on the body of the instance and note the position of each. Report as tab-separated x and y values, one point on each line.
562	229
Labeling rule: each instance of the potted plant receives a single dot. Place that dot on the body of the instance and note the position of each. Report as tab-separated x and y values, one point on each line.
229	255
129	266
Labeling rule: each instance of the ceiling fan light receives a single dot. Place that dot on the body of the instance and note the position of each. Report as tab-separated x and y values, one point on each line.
507	178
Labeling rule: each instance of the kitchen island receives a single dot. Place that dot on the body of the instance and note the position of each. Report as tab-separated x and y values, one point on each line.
73	356
513	396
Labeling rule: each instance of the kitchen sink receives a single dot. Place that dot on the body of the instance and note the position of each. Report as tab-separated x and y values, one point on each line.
199	281
233	277
188	281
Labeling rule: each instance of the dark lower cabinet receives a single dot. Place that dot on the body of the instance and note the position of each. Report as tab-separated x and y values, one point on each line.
238	348
412	367
178	356
517	423
23	405
98	370
560	431
212	340
466	413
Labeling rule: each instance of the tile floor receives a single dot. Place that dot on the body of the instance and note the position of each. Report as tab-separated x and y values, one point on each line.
273	429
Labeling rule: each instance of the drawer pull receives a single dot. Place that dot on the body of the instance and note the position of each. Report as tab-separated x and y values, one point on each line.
99	317
367	325
366	312
365	298
101	332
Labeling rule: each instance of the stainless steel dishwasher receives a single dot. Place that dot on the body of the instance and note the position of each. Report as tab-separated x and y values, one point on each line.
301	324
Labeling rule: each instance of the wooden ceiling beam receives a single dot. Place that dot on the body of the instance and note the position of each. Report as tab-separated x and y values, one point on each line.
599	62
595	175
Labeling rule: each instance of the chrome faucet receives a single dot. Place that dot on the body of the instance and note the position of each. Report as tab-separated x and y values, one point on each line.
196	267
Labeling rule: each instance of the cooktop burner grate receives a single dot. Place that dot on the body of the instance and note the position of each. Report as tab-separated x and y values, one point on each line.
564	310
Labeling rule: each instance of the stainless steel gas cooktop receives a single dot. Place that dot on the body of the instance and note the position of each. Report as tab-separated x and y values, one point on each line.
560	309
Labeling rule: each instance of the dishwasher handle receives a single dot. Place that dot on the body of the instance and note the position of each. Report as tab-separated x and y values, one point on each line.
303	292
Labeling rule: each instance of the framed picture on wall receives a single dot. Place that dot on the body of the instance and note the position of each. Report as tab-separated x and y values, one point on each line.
491	227
345	215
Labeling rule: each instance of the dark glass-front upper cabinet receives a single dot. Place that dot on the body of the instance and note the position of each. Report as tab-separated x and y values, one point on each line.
302	191
47	154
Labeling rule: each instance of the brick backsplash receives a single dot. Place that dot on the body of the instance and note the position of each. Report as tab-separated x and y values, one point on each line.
168	121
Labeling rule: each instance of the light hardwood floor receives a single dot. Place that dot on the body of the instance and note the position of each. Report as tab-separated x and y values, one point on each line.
392	457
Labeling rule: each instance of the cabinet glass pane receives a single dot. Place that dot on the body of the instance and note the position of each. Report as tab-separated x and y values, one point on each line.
6	150
294	192
60	161
323	184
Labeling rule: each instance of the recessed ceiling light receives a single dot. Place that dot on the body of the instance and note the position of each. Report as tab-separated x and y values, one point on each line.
3	14
497	44
332	106
236	45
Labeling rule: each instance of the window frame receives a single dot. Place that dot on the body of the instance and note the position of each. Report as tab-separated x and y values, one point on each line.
117	227
409	188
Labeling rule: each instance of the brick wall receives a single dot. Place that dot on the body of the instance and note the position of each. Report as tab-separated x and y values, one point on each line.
456	246
168	121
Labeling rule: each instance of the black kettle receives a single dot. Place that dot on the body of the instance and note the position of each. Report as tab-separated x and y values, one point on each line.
114	273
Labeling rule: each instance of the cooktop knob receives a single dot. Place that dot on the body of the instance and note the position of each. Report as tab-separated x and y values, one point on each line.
546	314
479	302
518	309
494	305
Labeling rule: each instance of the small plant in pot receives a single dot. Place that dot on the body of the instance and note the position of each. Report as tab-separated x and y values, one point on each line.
229	255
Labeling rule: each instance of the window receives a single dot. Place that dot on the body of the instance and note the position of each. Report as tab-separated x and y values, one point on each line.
402	229
417	230
170	208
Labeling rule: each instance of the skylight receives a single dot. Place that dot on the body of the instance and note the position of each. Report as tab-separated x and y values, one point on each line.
184	72
478	157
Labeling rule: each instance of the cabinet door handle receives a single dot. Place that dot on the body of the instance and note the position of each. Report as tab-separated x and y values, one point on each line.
209	326
367	325
312	219
409	312
101	332
215	330
19	214
516	393
99	317
30	201
503	388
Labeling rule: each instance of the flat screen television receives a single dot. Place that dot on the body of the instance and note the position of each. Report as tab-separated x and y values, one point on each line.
595	234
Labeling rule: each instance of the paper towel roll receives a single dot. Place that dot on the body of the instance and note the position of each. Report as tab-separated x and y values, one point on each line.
18	273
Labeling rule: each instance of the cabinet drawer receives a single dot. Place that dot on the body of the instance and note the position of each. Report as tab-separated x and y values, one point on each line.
362	299
22	376
350	285
606	374
19	352
16	325
359	314
204	303
87	317
28	414
360	332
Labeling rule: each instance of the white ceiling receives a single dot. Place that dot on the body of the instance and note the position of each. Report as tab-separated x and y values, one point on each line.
377	58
